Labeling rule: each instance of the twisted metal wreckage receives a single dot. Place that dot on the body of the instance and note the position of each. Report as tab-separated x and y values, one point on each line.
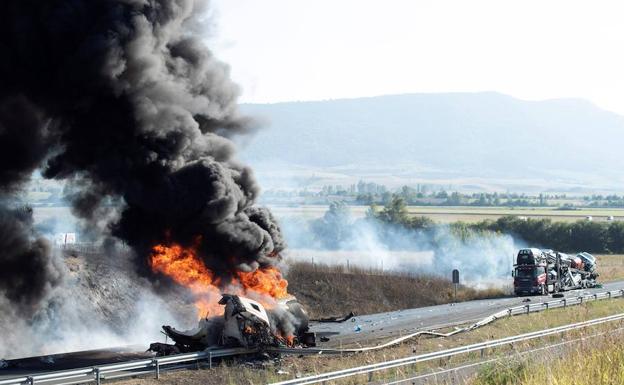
246	323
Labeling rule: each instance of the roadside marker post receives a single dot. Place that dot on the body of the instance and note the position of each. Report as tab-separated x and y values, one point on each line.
455	281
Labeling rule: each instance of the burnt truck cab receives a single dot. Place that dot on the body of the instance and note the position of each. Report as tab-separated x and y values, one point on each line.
531	273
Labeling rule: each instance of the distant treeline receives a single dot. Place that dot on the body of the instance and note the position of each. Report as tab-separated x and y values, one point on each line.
425	195
582	235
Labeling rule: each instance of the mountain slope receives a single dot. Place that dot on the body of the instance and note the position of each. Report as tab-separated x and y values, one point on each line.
464	134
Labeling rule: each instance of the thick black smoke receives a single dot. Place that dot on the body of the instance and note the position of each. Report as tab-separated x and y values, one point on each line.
120	99
26	269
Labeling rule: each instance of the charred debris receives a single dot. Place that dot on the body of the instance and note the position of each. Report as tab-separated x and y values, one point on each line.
244	323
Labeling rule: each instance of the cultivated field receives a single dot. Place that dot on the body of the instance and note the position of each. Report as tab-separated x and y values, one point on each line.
447	214
442	214
610	267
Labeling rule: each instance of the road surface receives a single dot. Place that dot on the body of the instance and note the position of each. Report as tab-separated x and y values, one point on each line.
358	331
365	330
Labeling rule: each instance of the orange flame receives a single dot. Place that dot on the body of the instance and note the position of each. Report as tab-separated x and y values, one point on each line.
184	266
265	281
289	340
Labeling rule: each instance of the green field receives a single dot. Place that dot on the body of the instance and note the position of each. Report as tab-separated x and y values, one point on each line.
447	214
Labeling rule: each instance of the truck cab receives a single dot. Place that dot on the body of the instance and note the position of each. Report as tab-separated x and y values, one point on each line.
530	279
531	272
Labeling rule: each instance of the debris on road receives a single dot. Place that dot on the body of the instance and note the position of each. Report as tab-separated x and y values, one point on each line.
336	319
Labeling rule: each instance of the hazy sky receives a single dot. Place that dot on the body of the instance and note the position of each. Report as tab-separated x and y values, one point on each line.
282	50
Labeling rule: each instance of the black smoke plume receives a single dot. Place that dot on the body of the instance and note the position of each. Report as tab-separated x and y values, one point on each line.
26	269
120	99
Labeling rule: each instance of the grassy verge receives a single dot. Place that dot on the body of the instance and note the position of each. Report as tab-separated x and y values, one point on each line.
595	362
233	372
332	290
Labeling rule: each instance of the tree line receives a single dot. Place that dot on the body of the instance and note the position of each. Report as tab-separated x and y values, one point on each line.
582	235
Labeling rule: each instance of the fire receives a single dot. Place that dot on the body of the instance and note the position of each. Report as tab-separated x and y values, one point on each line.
266	281
289	340
184	266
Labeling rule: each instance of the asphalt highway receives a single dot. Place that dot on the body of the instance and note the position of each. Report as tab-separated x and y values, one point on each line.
362	330
71	360
367	329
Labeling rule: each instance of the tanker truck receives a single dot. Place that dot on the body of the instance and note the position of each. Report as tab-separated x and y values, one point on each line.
546	271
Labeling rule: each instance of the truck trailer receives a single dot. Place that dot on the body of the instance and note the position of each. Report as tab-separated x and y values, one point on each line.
543	272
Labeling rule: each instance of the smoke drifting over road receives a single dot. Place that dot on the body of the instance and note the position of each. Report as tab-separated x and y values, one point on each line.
118	98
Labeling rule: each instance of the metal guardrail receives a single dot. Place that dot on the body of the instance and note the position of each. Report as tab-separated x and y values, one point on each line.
517	310
446	353
155	365
131	368
516	355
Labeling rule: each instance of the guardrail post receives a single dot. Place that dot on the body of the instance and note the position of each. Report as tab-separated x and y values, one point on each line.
370	376
157	368
565	302
546	303
580	300
509	312
528	309
31	380
210	359
98	378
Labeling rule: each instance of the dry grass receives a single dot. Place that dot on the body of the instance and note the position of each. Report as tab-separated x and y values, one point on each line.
332	290
595	362
232	372
610	267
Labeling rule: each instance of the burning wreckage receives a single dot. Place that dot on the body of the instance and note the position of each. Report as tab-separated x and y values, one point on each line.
237	306
136	114
245	323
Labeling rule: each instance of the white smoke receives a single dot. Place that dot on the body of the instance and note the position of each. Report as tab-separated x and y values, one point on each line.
86	312
483	258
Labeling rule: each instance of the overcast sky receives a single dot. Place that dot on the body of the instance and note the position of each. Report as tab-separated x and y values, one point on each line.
283	50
